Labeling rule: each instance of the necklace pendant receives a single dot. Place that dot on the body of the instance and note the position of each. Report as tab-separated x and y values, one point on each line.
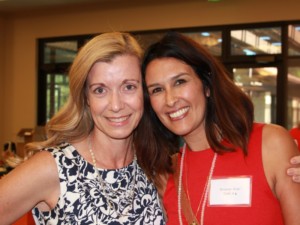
194	223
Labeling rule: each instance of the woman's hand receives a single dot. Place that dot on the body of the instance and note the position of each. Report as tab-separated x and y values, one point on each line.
294	171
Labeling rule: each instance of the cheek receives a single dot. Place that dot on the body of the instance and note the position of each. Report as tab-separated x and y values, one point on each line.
96	106
200	102
137	102
94	110
139	105
197	93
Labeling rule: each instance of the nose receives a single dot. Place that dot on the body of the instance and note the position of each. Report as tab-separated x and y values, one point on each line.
116	102
171	97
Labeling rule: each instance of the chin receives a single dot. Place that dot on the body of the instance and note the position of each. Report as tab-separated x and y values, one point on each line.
180	132
120	136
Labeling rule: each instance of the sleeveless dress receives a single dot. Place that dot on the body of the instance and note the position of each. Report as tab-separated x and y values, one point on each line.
264	208
129	198
295	133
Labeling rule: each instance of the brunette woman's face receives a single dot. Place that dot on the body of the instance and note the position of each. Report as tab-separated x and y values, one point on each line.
115	96
177	96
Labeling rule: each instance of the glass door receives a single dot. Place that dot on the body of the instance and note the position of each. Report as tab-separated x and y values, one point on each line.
57	93
260	84
293	95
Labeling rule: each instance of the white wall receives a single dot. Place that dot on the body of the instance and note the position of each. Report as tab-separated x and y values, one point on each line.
18	47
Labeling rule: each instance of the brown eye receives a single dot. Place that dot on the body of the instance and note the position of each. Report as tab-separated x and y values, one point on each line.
99	90
180	81
130	87
155	90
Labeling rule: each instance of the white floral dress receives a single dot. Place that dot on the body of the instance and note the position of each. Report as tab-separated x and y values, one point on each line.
83	200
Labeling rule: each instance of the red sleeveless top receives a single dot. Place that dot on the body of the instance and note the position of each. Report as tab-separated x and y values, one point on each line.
264	208
295	133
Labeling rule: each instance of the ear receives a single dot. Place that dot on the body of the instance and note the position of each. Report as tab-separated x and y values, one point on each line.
207	92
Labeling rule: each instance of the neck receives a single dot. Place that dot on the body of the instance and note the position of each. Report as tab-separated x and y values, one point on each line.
197	140
199	144
111	154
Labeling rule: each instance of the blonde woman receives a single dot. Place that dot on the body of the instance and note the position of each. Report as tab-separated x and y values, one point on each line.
88	171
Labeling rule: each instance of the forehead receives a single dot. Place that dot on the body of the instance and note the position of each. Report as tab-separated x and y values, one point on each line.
162	68
120	68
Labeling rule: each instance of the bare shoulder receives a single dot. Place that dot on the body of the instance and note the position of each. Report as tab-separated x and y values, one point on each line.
43	158
277	149
34	181
277	138
40	164
37	173
273	129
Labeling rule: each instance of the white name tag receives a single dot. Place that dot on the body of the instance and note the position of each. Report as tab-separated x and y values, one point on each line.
230	191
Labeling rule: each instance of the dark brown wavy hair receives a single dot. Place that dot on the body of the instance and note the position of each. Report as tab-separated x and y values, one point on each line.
229	111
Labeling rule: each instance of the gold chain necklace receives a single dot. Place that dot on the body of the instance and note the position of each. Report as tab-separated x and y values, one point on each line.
105	186
205	191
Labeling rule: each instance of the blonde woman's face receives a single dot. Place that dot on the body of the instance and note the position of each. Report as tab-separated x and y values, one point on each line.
115	96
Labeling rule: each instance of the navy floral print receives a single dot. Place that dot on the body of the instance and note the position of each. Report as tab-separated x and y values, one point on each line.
84	201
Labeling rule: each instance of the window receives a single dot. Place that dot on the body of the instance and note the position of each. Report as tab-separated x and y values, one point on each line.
293	96
60	52
212	40
264	60
260	84
57	93
294	40
256	41
55	58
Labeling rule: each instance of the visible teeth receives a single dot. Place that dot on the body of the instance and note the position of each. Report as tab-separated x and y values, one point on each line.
179	112
118	120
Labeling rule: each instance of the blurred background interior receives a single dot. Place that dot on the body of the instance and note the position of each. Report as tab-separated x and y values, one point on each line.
258	42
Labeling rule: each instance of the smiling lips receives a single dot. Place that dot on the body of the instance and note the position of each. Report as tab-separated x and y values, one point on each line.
117	119
179	113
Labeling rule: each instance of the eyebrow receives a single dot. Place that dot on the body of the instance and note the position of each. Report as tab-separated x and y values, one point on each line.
123	82
91	85
172	78
152	85
134	80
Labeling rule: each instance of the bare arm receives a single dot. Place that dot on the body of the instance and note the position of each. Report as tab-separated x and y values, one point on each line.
34	181
278	148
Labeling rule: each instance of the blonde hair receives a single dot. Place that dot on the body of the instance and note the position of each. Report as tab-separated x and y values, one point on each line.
74	122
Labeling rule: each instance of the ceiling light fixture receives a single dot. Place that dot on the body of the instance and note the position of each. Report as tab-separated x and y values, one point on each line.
266	38
205	34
